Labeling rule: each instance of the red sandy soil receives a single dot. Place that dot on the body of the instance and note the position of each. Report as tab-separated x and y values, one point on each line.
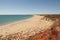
47	35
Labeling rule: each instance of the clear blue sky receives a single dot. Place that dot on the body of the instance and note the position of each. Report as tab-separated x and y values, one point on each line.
29	6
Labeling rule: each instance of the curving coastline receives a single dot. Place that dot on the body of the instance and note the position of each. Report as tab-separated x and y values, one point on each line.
28	27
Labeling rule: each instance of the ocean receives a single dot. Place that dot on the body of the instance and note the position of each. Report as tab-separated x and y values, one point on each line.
5	19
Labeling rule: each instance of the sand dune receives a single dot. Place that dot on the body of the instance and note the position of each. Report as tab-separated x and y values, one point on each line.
29	26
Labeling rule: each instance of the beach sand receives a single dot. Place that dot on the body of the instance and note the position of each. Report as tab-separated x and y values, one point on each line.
29	26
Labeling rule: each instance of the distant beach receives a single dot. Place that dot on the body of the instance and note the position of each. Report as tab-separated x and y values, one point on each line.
26	25
30	26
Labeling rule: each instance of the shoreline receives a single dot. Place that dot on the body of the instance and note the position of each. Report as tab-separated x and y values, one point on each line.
7	19
15	21
19	21
29	26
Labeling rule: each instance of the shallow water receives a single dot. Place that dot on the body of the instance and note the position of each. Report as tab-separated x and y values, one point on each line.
4	19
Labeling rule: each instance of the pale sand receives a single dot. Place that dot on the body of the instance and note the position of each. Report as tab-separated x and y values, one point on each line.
29	26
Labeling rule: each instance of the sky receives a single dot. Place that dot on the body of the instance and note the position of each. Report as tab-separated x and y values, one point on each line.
29	7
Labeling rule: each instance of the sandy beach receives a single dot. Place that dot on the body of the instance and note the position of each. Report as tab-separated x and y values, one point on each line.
29	26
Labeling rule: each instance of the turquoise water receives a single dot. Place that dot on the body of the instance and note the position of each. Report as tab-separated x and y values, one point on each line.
4	19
